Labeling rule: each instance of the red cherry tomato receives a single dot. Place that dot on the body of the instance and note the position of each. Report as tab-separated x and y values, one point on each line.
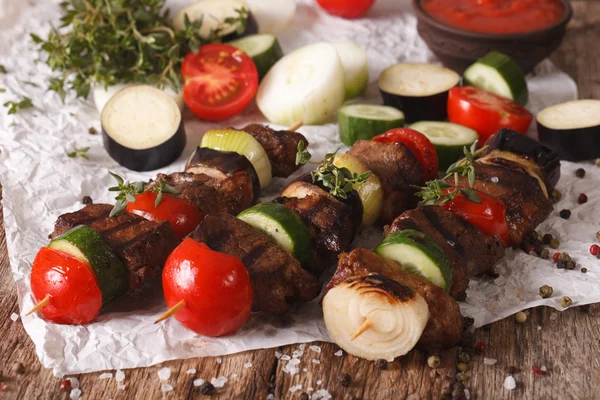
215	287
183	216
346	8
75	297
489	215
486	112
418	144
219	81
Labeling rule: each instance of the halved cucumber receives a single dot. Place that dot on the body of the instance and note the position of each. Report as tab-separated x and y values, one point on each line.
416	253
499	74
264	49
370	192
356	68
243	144
448	139
282	225
85	244
365	121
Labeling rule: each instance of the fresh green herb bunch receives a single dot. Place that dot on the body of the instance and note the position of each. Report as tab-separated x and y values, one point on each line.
439	191
127	191
122	41
339	181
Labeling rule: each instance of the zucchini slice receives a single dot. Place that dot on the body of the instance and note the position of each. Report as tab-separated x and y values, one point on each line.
264	49
85	244
499	74
416	253
365	121
243	144
282	225
448	139
370	192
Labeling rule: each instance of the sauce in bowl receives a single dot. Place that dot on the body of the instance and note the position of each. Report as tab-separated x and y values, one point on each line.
496	16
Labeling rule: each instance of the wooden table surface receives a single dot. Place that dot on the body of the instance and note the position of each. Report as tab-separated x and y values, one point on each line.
568	343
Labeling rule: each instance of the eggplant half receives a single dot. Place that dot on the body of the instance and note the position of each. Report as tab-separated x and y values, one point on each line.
545	158
420	91
571	129
214	13
142	128
221	164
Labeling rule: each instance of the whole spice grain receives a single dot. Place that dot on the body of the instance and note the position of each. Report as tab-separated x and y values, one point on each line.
556	257
345	380
555	243
537	370
18	368
546	291
87	200
207	388
594	249
462	377
555	196
479	347
92	131
434	361
304	396
580	173
564	256
65	385
464	357
582	199
462	367
520	317
547	238
566	301
381	364
565	214
544	253
584	270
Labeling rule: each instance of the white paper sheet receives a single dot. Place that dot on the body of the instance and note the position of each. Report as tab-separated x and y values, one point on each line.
40	182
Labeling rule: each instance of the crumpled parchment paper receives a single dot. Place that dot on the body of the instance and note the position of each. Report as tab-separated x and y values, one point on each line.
40	182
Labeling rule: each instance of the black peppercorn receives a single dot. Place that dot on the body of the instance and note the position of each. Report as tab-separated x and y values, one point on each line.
562	264
555	196
580	173
381	364
206	388
582	199
565	214
544	254
304	396
87	200
547	238
92	131
345	380
584	270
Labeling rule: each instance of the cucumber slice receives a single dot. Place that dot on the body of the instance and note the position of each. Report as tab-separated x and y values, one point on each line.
365	121
85	244
264	49
356	68
448	139
282	225
243	144
370	192
499	74
416	253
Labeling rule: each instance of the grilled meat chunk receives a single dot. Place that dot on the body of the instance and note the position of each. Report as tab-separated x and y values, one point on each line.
471	251
397	169
281	147
231	194
526	205
445	325
142	245
332	223
277	277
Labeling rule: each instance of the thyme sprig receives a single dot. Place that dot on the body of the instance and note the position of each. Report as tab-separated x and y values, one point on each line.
127	192
122	41
439	191
339	181
303	155
161	188
16	106
79	152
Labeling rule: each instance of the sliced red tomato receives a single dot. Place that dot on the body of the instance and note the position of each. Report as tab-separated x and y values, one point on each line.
183	216
75	297
489	215
346	8
215	287
219	81
418	144
486	112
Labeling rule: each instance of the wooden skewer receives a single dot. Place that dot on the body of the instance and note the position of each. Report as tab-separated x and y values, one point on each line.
362	329
171	311
296	126
43	303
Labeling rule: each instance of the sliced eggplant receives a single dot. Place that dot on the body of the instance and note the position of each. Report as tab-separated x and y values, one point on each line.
221	164
374	317
420	91
142	128
530	149
214	13
571	129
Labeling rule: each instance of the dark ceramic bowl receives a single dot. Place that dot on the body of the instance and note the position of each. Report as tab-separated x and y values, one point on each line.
458	49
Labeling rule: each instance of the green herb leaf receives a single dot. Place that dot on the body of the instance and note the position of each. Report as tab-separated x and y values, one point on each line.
3	69
161	188
302	156
16	106
339	181
126	193
470	195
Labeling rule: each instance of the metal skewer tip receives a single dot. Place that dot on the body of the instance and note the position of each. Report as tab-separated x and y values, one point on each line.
362	329
171	311
43	303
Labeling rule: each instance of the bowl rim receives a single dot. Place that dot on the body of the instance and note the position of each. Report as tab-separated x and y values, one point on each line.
423	15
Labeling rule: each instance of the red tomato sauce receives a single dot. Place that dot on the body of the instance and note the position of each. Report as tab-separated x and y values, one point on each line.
496	16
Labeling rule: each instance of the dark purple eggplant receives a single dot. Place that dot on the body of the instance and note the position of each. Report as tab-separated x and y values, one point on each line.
517	143
220	164
142	128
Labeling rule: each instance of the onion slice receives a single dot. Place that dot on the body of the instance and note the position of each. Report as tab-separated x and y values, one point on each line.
396	317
